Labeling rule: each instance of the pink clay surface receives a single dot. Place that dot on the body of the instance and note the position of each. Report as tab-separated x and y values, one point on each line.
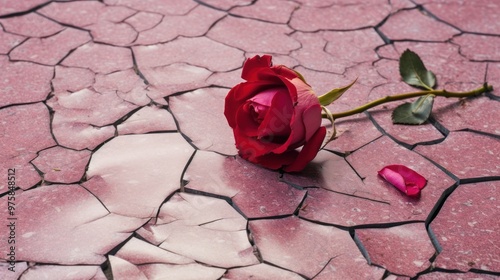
111	122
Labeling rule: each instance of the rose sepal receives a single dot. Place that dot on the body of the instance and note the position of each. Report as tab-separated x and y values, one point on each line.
329	97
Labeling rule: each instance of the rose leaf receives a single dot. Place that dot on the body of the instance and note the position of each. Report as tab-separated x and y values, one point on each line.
328	98
413	71
414	113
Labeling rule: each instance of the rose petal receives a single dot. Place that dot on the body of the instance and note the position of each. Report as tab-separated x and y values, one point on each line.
311	120
230	106
276	124
394	178
411	177
257	112
286	72
251	67
250	148
307	98
259	104
245	122
292	89
277	161
403	178
304	123
247	90
238	96
308	152
412	190
265	97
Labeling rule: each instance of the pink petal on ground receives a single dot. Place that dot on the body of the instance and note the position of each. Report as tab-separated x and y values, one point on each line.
394	178
403	178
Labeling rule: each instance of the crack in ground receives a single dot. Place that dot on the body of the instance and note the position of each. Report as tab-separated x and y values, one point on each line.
219	9
284	268
97	198
361	247
359	197
324	267
136	68
382	130
31	10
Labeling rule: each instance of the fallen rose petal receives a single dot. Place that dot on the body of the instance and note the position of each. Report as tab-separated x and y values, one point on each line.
404	179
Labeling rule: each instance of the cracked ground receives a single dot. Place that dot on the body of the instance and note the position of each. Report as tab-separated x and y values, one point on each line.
112	127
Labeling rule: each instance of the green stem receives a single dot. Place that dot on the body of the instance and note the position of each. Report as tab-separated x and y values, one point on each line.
391	98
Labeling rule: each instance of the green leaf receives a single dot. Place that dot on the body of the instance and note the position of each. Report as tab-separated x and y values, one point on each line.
414	113
413	71
328	98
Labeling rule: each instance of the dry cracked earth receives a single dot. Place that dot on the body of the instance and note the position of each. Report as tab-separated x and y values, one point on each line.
111	129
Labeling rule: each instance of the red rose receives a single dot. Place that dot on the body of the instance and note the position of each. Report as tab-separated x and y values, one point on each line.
272	114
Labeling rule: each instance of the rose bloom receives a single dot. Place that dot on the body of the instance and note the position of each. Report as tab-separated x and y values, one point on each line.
272	114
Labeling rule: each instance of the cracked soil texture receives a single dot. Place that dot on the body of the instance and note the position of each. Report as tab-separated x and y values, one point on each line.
124	167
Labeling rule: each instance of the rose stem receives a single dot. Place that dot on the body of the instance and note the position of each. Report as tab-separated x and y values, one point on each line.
444	93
